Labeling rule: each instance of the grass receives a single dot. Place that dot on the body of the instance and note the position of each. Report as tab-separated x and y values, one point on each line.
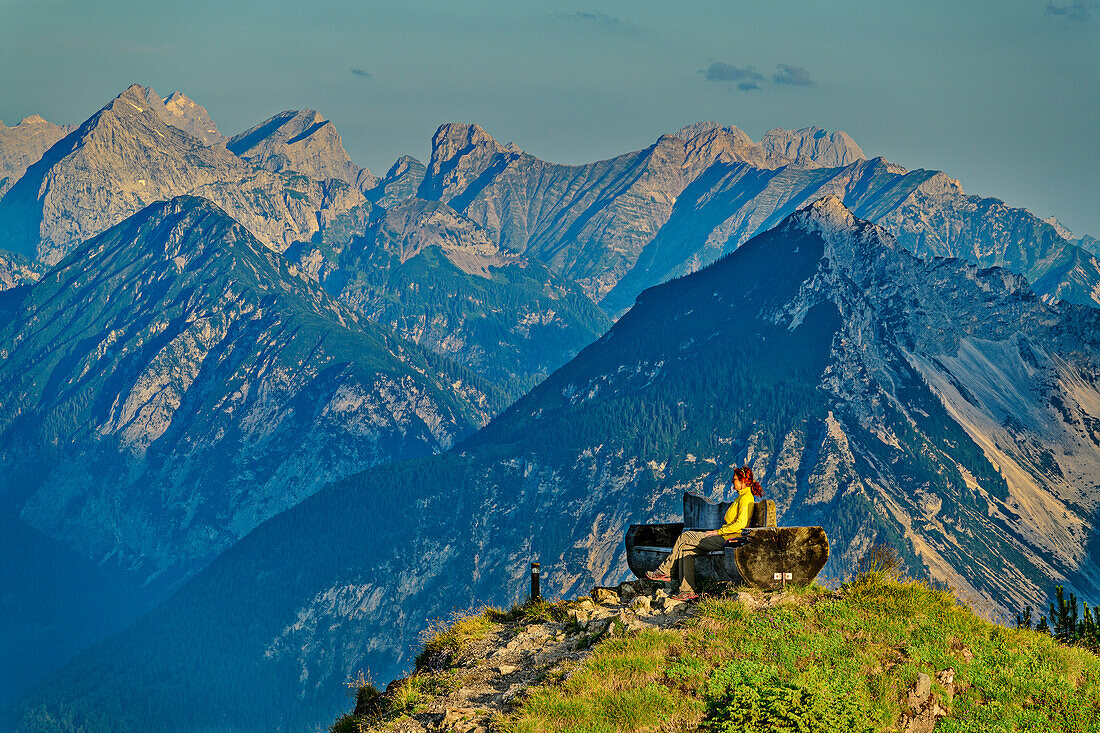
444	641
619	687
530	612
826	662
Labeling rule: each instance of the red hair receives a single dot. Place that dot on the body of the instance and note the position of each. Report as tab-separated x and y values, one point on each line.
745	474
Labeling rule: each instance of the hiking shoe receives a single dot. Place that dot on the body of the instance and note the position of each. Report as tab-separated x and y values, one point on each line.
685	596
659	577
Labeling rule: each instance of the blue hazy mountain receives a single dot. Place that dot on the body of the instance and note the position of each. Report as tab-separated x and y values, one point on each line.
171	384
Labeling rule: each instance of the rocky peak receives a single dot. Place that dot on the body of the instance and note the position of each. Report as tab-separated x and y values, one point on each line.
302	141
137	97
402	166
827	215
453	138
813	147
400	183
126	156
185	114
460	154
1062	230
690	132
23	145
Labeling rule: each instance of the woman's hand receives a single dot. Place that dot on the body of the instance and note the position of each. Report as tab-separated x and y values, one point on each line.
713	533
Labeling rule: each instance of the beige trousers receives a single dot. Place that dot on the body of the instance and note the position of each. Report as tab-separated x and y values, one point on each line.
692	542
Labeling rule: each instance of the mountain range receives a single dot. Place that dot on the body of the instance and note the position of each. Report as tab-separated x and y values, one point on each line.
200	332
855	378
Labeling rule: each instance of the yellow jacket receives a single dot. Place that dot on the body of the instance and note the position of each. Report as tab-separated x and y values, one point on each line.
738	515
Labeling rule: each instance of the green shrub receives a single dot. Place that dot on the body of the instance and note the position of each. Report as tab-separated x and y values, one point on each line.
746	698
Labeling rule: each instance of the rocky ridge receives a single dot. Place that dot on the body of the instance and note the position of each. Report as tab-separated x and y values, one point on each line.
621	225
435	277
812	147
126	156
587	222
17	270
488	677
927	211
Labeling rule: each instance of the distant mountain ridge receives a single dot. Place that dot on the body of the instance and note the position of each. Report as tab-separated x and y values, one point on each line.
852	376
23	145
125	157
618	226
614	227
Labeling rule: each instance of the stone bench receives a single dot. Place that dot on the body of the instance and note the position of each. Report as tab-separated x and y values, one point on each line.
765	556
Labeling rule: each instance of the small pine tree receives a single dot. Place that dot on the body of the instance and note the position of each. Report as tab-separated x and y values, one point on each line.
1023	621
1063	616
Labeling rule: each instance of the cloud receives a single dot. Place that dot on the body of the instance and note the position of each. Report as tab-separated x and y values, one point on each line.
360	73
794	76
747	75
748	86
591	17
1078	10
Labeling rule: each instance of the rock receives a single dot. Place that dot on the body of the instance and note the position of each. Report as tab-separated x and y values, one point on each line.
462	720
506	669
605	595
671	605
629	589
642	605
514	690
918	696
746	599
923	709
597	626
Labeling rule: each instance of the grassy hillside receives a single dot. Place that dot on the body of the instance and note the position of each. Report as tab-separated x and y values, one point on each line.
812	660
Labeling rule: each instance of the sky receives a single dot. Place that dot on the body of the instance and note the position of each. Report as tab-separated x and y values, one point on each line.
1004	96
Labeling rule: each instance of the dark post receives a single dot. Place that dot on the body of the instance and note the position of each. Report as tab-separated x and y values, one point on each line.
534	581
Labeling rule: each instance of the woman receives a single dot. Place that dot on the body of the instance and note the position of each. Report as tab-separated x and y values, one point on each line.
699	542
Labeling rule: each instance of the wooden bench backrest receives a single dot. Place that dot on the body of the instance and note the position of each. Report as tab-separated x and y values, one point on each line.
702	514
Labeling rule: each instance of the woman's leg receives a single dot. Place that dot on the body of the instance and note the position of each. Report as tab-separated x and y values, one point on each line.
686	543
705	545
